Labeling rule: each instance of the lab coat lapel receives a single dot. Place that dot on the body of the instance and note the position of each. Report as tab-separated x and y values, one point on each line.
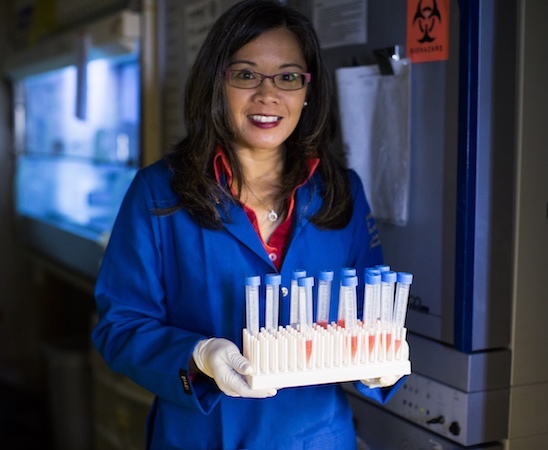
237	224
307	203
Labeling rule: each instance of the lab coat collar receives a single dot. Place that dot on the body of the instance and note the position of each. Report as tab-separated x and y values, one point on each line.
236	222
306	202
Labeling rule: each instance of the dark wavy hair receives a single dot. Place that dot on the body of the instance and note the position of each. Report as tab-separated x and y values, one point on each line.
207	123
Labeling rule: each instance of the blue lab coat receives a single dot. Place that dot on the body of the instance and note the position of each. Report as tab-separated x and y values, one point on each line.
166	283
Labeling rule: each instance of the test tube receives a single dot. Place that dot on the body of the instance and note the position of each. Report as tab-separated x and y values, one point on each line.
305	285
403	286
252	303
349	298
388	282
371	297
272	305
345	272
325	279
294	296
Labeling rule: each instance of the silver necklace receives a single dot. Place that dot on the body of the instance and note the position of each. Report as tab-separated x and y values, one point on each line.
272	215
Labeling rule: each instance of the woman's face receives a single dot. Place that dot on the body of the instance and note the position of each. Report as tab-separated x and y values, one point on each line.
264	117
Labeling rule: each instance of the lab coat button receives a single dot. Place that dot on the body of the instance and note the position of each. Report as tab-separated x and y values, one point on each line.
285	292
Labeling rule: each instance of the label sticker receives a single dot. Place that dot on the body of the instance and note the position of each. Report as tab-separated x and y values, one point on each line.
427	30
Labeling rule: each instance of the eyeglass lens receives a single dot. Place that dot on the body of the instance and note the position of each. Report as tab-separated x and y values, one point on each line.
247	79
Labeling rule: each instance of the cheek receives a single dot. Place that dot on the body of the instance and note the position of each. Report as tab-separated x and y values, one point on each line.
297	108
298	102
236	99
233	105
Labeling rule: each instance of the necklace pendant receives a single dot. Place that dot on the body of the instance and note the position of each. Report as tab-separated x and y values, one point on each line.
272	216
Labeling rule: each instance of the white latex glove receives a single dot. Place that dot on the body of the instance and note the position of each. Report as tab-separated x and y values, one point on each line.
382	382
389	380
221	360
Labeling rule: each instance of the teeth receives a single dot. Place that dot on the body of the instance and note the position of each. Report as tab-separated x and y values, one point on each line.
264	119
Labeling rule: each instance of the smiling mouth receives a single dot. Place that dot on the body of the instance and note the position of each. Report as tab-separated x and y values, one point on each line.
265	119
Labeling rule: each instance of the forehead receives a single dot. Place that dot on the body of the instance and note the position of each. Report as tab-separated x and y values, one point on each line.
278	45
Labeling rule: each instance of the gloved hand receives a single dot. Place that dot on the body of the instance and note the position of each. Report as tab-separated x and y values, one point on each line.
381	382
388	380
221	360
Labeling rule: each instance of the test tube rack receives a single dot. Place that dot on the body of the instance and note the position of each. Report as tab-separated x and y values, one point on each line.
295	356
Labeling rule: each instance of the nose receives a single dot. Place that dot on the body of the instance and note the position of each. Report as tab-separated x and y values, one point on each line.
267	90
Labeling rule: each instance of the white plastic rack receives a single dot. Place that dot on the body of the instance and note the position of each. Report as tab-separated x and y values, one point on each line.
307	355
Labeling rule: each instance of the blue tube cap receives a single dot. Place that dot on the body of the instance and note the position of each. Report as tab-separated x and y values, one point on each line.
350	281
389	276
372	277
254	280
298	273
405	278
273	278
348	272
306	281
326	275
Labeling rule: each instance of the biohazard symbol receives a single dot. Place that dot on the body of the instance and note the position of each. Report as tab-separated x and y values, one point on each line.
425	19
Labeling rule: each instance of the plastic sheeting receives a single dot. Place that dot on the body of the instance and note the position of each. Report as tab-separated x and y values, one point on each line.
375	123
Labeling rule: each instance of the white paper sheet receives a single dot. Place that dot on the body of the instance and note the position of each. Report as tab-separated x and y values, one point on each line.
340	22
198	20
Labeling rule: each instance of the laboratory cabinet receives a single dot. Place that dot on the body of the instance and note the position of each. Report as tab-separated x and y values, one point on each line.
120	408
84	121
77	137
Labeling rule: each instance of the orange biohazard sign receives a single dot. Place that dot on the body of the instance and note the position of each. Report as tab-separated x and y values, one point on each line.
427	30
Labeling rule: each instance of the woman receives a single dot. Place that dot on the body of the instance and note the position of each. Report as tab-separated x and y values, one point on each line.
254	188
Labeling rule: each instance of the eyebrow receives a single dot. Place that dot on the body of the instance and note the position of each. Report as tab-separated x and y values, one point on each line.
251	63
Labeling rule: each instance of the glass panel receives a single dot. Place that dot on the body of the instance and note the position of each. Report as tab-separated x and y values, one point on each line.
71	193
110	130
73	172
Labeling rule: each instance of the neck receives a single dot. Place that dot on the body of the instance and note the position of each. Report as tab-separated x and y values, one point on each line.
261	194
260	185
260	169
261	175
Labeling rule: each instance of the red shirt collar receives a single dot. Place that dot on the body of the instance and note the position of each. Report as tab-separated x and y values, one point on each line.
221	167
275	248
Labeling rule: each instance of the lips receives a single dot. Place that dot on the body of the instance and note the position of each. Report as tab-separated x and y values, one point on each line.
264	121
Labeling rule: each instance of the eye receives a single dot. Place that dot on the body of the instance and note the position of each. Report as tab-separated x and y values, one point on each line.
289	77
245	75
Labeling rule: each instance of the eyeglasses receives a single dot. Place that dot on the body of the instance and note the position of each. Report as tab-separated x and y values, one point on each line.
287	81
